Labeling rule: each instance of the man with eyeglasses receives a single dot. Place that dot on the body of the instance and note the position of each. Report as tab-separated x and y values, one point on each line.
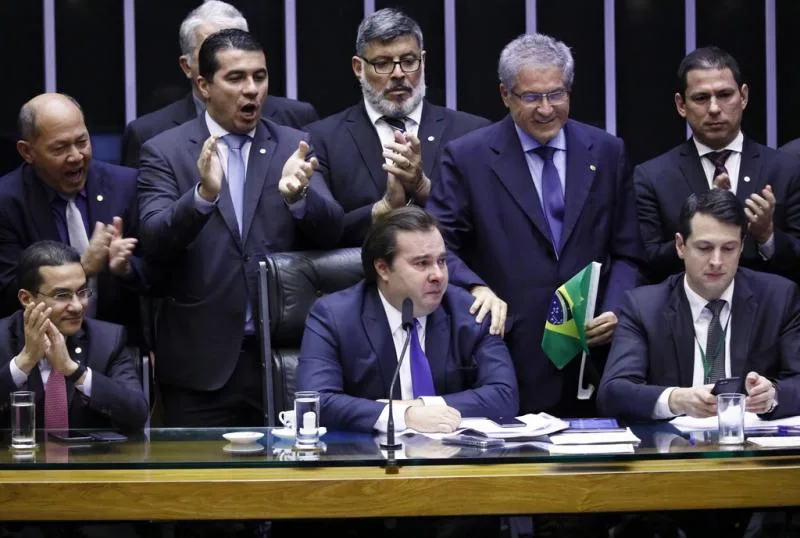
712	97
528	202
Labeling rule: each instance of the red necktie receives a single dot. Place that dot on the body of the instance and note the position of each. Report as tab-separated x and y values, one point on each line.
56	412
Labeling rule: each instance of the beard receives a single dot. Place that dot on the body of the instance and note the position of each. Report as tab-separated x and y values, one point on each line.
394	109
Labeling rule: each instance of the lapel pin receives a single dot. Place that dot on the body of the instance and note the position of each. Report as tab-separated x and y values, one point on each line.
99	197
78	350
431	138
262	151
747	179
592	167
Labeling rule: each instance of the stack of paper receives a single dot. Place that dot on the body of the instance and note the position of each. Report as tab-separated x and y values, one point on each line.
588	442
751	420
536	425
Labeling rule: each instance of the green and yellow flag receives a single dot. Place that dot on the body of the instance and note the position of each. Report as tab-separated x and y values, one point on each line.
564	335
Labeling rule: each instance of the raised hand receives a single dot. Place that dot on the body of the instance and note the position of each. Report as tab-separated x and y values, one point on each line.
210	169
297	173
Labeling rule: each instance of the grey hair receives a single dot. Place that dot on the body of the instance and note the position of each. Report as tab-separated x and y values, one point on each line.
535	50
386	25
210	12
26	120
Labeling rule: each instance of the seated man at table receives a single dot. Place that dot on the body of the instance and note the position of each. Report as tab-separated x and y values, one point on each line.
353	338
715	320
79	368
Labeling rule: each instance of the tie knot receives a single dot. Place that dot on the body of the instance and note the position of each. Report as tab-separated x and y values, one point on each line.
235	141
716	306
398	124
545	152
718	157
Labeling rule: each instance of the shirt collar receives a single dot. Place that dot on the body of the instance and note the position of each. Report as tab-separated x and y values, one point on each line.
698	304
54	196
215	129
199	104
529	143
395	317
415	115
735	145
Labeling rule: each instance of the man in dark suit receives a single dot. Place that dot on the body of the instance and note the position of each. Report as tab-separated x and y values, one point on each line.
712	97
384	151
210	234
208	18
667	352
792	146
59	185
353	340
528	202
50	343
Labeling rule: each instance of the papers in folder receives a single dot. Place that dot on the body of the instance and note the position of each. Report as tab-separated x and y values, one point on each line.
751	420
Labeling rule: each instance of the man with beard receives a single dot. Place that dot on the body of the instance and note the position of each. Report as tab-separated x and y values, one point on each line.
383	152
216	195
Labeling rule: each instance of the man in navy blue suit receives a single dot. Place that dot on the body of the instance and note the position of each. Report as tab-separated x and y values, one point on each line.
663	362
60	193
528	202
353	339
216	195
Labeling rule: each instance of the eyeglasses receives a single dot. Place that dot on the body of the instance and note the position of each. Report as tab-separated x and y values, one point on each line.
384	66
65	296
555	97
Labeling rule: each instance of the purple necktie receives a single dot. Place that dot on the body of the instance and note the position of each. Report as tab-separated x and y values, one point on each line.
552	195
421	377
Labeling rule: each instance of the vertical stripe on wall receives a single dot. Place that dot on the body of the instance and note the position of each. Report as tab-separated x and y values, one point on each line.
129	19
530	16
450	85
290	36
771	73
49	9
369	7
609	44
690	33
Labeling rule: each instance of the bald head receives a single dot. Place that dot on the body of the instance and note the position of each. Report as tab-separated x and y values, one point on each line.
55	141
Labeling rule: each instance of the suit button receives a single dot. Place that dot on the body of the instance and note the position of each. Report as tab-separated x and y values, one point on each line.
318	293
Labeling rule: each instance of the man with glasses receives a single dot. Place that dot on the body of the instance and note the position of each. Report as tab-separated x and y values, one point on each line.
712	97
528	202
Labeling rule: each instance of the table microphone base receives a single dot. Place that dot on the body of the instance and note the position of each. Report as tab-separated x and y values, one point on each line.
391	446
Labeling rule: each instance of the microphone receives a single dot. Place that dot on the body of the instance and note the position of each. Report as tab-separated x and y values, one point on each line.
408	323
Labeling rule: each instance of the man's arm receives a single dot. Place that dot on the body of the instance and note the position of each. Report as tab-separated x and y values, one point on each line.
131	146
788	381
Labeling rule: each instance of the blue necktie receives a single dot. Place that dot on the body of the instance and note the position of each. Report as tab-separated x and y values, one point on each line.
552	195
421	377
236	173
397	124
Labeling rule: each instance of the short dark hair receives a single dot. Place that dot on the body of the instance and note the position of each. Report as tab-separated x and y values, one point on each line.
42	254
384	26
229	38
381	240
720	204
707	58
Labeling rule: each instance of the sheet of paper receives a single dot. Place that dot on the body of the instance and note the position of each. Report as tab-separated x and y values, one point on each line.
751	420
592	438
535	425
775	442
614	448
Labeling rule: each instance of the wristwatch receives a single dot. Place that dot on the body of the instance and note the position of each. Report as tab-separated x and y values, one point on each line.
76	375
774	403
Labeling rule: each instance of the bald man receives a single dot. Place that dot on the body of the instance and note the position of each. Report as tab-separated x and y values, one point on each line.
60	194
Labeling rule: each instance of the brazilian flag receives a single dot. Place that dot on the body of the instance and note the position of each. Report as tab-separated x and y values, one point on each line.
564	335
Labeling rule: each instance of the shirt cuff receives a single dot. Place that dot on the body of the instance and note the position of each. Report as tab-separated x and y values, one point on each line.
201	203
86	386
432	400
662	410
17	375
767	250
399	418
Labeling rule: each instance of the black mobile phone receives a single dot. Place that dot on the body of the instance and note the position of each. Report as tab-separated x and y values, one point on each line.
470	440
508	422
729	385
108	437
69	437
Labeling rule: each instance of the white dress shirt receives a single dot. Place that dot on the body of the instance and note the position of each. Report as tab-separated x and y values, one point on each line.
385	132
21	377
395	319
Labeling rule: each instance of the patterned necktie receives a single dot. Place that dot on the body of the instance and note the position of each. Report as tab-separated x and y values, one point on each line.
718	159
552	195
56	415
395	123
236	173
715	344
421	378
79	240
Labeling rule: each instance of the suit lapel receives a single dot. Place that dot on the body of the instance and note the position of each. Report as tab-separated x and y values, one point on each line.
377	330
36	194
431	127
261	151
97	199
512	170
743	317
185	111
368	144
581	170
680	330
692	169
750	168
437	343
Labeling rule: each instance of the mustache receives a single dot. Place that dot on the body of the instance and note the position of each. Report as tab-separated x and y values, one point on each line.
399	85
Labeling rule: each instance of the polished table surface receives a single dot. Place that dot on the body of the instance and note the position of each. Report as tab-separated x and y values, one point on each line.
172	474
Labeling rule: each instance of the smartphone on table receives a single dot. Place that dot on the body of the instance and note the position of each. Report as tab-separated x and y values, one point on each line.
508	422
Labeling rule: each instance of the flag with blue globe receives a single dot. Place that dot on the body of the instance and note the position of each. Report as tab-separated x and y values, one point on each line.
564	336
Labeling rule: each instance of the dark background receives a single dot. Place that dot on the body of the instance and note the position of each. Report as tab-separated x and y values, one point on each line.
649	46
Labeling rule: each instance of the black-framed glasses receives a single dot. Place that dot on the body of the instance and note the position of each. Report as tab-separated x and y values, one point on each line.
65	296
555	97
385	66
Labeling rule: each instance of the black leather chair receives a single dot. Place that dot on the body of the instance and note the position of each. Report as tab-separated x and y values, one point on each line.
289	283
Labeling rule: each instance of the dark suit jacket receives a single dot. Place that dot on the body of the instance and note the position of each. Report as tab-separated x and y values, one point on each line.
350	157
663	184
654	344
792	146
278	109
27	218
493	221
211	269
117	398
351	358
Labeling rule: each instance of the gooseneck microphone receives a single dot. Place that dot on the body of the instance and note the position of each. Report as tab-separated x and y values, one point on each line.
408	323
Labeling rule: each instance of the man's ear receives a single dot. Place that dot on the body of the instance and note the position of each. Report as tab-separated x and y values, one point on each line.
202	85
680	105
504	95
382	268
25	297
680	245
358	66
25	150
183	61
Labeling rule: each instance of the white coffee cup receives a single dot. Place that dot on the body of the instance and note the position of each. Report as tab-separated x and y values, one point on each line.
287	418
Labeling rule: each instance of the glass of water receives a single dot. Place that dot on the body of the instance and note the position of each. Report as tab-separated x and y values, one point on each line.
730	412
23	419
306	425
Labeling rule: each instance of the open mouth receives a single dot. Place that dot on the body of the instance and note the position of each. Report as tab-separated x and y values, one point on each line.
249	110
74	175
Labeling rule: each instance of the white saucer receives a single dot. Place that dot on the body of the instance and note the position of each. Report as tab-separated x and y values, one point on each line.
243	438
251	448
288	433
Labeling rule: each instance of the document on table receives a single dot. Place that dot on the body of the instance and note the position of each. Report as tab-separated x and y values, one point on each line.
612	448
535	425
775	442
751	420
593	438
